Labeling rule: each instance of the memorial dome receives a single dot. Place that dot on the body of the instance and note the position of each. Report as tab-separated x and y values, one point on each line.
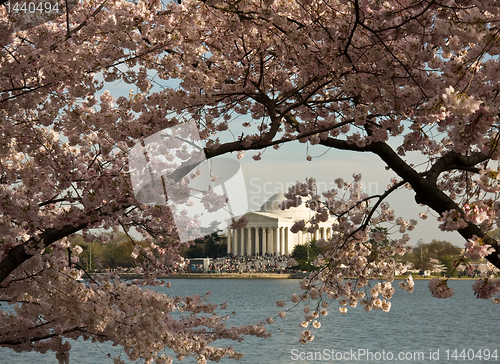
296	213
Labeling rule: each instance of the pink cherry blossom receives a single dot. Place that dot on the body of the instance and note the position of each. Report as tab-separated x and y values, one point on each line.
439	288
452	220
476	249
343	76
486	287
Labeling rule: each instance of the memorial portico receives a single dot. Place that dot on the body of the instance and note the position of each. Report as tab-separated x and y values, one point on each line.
268	230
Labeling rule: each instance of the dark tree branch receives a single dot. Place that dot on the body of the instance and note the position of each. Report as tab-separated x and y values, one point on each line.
381	198
18	255
20	341
428	193
261	144
454	159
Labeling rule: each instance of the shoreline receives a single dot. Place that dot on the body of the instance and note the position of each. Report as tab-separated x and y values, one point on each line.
220	276
259	276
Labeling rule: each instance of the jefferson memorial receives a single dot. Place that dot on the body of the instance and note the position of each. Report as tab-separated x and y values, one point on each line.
268	230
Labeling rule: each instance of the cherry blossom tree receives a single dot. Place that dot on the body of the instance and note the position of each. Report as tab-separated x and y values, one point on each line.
381	77
64	156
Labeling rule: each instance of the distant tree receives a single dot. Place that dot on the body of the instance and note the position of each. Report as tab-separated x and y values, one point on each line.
113	254
215	246
442	251
211	246
305	254
418	255
437	267
449	263
118	254
195	251
438	249
378	244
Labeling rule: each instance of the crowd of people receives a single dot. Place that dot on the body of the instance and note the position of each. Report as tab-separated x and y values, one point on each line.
268	263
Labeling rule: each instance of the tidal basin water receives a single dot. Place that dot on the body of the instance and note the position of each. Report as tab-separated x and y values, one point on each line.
418	329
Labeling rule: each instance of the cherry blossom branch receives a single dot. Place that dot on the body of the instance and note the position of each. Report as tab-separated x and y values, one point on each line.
75	30
17	255
450	159
405	21
377	204
20	341
260	144
429	194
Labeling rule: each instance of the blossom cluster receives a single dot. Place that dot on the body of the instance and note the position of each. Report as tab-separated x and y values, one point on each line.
354	255
407	284
439	288
452	220
489	180
140	320
479	212
477	249
486	288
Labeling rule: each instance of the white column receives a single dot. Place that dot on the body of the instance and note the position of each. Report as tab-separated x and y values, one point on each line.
245	240
272	241
249	240
234	248
269	239
280	242
257	241
250	248
229	241
282	246
276	232
287	240
242	241
266	240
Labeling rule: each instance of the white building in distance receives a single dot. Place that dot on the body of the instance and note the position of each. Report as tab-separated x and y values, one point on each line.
268	230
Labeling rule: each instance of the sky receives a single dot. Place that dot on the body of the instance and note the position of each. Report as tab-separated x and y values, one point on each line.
281	168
